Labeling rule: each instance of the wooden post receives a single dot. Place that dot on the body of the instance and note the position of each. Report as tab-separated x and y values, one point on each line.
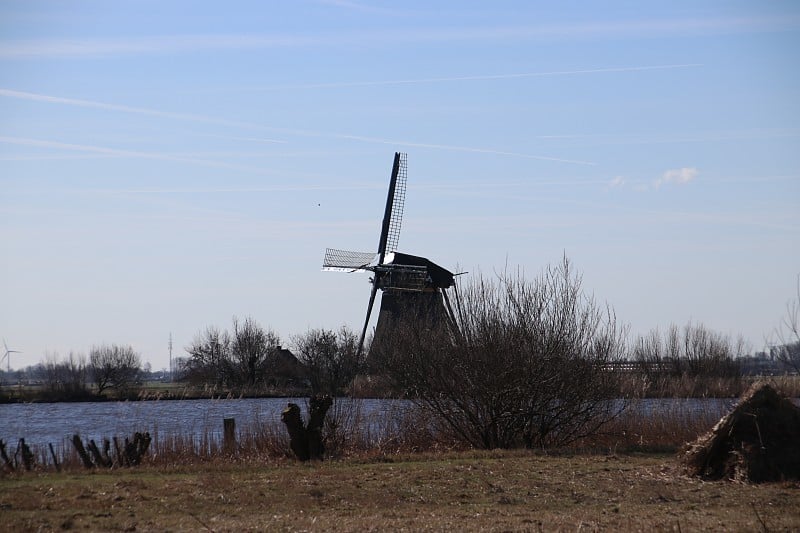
9	465
229	436
27	455
121	457
55	458
76	441
99	458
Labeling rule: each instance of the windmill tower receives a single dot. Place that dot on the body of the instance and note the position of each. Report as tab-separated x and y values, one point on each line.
412	287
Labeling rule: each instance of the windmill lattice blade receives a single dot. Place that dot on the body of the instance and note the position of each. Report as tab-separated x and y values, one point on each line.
346	260
393	213
396	218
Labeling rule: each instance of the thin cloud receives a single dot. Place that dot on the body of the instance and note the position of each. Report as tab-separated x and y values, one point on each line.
48	157
252	139
678	176
464	149
75	102
149	45
697	137
618	181
172	44
483	77
304	133
115	152
357	6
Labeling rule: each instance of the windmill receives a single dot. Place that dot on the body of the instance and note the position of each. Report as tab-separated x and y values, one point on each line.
7	356
411	286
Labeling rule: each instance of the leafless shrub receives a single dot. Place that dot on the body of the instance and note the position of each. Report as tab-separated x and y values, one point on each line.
691	362
525	368
251	347
114	366
241	358
331	359
67	378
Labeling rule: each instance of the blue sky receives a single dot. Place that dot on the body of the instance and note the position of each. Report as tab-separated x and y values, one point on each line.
165	166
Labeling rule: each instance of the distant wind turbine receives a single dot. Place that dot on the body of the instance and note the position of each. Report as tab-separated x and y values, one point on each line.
7	356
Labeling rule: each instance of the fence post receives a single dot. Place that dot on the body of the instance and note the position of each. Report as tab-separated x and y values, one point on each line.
229	435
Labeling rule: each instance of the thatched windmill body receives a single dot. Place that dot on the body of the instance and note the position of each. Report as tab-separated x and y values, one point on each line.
412	287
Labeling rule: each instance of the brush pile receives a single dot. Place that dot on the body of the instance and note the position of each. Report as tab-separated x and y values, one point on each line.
756	442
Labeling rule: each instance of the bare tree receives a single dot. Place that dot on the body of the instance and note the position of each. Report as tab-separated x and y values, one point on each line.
331	358
241	358
788	334
694	351
209	359
527	367
114	366
251	347
67	377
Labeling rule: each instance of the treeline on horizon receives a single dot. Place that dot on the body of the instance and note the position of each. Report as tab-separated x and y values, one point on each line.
505	324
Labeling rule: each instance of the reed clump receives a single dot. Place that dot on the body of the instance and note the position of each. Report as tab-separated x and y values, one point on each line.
641	385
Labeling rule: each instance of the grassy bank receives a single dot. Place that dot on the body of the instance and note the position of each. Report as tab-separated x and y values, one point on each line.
145	392
631	385
463	491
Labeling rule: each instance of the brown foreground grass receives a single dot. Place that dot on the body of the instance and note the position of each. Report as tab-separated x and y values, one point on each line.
495	491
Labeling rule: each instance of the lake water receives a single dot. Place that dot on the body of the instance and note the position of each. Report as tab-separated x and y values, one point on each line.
45	423
54	423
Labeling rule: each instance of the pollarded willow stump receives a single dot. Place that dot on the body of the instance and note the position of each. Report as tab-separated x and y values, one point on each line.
306	439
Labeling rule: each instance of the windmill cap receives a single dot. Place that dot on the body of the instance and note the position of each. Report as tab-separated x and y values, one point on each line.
440	277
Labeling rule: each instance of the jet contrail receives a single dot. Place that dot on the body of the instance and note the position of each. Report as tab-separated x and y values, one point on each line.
121	108
464	149
115	152
468	78
210	120
394	36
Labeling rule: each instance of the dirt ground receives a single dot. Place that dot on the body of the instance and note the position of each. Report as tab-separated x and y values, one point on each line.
492	491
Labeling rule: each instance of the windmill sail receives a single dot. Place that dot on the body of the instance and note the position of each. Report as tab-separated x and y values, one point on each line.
346	260
395	202
398	203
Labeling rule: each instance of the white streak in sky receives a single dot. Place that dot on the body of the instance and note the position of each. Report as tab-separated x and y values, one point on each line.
485	77
617	30
464	149
304	133
250	139
114	152
22	95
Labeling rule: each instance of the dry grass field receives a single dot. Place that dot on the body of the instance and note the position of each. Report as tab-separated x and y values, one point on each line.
491	491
